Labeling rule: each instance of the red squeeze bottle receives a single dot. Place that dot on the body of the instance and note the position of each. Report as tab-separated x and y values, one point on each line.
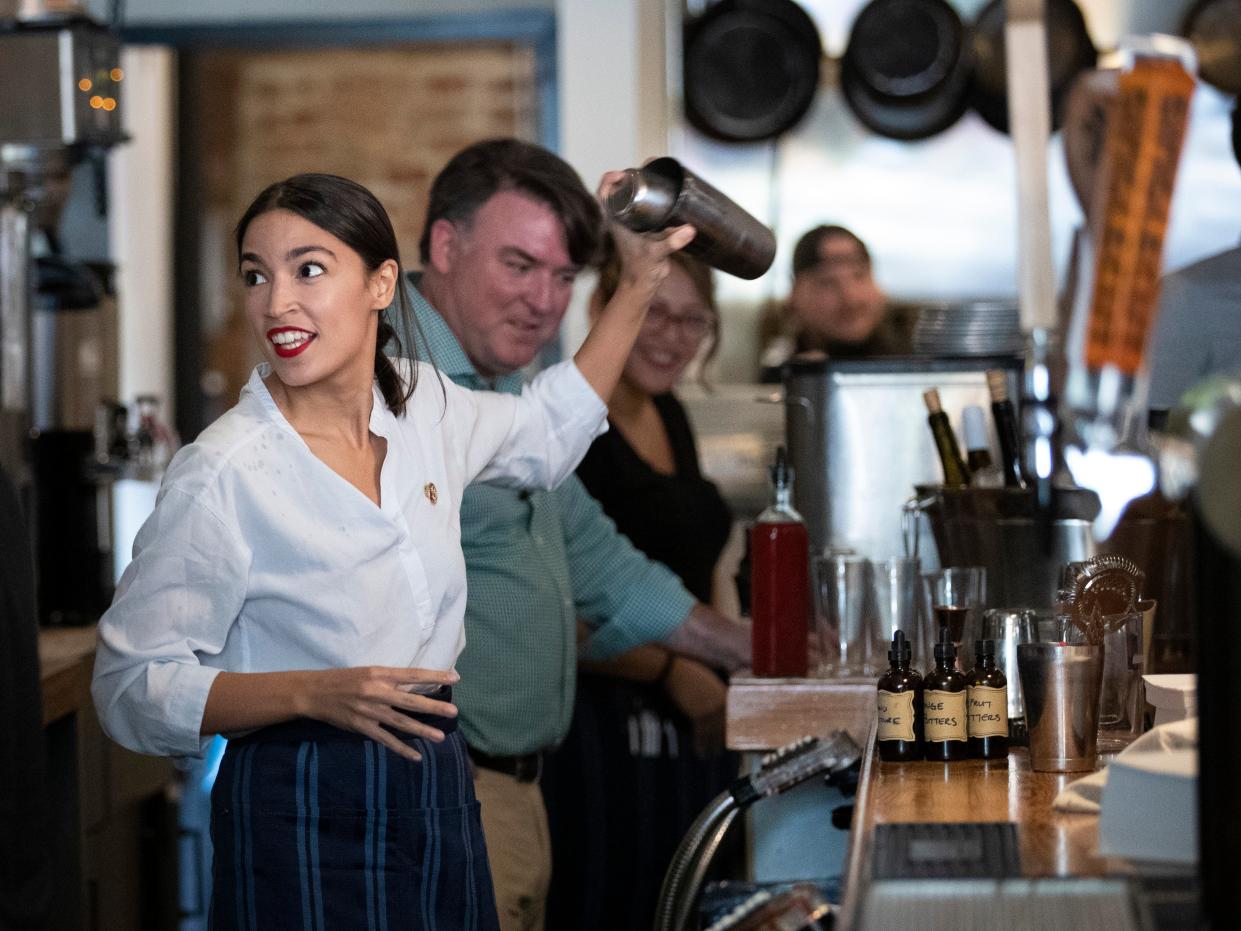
780	582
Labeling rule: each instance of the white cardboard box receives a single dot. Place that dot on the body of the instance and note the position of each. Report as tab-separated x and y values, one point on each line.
1150	807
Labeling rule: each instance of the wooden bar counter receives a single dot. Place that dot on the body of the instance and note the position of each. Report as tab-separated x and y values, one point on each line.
1052	843
66	658
763	714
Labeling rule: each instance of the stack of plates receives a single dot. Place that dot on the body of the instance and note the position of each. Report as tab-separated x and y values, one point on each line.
975	328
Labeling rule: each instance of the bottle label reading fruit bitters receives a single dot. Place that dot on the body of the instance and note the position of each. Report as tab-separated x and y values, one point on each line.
943	715
896	716
988	711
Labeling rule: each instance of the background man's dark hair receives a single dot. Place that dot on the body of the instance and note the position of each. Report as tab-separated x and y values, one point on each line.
806	252
478	172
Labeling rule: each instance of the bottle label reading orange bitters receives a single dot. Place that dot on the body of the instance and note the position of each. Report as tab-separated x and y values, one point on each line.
943	715
988	711
896	715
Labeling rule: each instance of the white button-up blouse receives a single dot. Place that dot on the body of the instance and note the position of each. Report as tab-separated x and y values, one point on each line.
259	558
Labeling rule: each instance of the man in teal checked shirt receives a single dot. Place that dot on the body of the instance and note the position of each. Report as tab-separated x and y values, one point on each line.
509	227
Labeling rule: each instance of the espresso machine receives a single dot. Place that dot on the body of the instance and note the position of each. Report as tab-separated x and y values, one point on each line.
62	79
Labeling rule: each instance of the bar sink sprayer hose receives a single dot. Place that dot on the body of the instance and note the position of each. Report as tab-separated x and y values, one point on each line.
787	767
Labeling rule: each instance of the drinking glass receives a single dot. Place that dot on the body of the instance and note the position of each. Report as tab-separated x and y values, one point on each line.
1122	705
1009	628
954	598
894	605
841	590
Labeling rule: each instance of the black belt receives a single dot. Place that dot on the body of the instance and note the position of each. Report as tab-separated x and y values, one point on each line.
525	767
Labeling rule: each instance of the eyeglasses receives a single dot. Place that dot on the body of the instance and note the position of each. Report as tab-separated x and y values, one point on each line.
693	326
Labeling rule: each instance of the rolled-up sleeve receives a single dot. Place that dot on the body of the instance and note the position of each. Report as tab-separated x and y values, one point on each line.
175	604
532	440
628	598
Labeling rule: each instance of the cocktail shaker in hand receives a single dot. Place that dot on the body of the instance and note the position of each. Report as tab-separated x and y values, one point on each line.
664	193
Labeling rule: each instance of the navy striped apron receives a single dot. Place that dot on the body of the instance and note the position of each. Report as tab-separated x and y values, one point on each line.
316	829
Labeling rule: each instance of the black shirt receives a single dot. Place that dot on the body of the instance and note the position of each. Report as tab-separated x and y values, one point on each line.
679	520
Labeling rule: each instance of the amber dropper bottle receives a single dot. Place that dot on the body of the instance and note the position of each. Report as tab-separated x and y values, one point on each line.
943	705
987	699
899	727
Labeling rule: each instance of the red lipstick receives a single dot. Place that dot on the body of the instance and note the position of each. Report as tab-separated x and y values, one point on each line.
289	341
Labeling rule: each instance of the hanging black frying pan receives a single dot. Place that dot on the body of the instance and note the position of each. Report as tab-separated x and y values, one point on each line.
1070	51
905	71
751	68
1214	28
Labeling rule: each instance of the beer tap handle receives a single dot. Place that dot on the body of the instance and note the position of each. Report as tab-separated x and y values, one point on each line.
1114	311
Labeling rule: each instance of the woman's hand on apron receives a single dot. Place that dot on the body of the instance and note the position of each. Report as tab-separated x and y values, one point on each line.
376	700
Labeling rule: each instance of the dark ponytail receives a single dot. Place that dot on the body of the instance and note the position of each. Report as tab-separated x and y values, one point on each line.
390	384
355	216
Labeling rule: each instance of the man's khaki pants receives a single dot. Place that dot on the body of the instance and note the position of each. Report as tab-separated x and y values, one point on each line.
518	846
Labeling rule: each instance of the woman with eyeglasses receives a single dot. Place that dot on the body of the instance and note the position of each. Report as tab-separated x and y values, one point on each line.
645	749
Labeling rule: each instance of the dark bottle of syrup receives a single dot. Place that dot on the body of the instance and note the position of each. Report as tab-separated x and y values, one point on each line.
951	618
780	582
899	729
943	705
987	699
1006	429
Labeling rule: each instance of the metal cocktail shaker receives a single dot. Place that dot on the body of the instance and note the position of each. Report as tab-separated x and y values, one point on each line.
1060	683
664	193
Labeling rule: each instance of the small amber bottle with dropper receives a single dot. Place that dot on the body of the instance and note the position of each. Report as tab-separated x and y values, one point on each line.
943	705
899	726
987	699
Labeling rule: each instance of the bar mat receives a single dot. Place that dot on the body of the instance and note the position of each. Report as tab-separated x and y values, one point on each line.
1051	904
982	850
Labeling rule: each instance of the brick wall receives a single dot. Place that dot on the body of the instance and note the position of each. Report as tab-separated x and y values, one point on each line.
388	117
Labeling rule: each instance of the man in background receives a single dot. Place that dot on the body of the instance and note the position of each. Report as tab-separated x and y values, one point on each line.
509	227
835	307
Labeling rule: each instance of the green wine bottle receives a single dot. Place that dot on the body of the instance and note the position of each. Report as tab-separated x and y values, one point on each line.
955	472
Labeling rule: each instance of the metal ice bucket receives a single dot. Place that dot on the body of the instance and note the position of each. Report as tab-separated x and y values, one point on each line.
998	528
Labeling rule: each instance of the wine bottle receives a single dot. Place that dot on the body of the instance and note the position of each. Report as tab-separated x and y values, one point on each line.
983	472
1006	429
780	582
945	441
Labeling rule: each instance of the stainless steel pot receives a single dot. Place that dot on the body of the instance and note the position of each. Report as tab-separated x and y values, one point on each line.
859	441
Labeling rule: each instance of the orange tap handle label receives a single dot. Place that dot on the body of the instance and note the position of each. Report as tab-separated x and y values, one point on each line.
1146	130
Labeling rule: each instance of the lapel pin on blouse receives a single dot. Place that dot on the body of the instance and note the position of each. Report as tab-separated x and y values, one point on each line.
429	490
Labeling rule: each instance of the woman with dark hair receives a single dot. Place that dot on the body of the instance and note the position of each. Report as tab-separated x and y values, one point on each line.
300	586
645	750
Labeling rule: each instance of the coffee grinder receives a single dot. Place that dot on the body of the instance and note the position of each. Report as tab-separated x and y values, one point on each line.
62	79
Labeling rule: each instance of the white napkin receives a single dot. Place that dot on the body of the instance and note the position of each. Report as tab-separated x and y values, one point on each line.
1085	795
